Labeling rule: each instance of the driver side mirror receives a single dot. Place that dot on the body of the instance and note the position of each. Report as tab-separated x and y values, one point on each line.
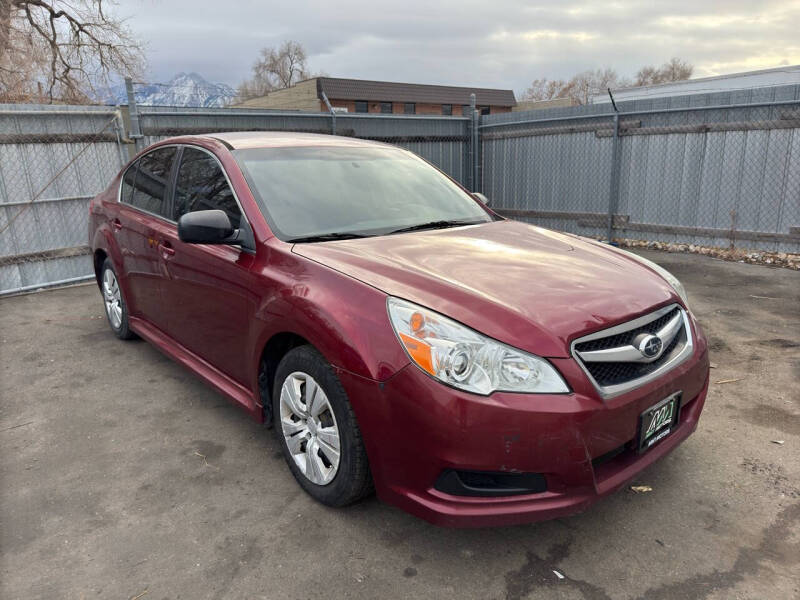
481	198
207	227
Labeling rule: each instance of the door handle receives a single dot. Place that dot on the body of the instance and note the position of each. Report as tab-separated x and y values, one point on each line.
166	249
116	224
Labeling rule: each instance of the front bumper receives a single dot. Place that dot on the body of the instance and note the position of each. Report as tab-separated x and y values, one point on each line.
415	428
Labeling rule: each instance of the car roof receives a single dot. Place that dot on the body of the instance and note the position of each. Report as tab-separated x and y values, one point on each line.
281	139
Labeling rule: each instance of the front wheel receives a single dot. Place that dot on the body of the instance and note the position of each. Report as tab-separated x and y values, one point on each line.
116	309
317	429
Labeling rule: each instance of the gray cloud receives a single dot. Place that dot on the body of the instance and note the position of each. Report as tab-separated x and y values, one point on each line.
504	43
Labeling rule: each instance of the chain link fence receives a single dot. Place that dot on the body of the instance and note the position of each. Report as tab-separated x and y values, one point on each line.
444	141
717	170
53	160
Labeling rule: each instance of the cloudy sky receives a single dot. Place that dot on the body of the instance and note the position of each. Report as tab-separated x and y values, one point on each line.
502	43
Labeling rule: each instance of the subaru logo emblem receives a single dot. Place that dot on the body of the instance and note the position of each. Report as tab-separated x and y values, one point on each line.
650	346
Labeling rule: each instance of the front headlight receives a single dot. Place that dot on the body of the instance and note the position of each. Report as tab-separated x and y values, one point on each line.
463	358
669	277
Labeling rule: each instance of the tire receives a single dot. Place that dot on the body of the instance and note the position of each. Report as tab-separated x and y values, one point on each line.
114	303
305	421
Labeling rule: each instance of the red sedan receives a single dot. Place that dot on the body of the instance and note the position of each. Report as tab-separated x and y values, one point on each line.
398	334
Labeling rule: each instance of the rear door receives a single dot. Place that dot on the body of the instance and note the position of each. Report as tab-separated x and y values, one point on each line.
208	293
143	218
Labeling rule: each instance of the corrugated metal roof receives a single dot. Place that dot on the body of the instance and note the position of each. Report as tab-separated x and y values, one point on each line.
376	91
763	78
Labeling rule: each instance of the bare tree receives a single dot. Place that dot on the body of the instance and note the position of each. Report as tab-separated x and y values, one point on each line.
583	86
589	83
546	89
56	50
579	88
275	69
646	75
675	69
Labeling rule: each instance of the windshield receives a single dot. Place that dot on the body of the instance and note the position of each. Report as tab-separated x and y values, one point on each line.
310	192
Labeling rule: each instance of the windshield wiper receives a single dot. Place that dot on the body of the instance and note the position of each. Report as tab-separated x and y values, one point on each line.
327	237
435	225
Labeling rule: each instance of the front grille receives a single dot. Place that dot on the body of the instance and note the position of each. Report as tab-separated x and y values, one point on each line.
626	337
620	376
614	373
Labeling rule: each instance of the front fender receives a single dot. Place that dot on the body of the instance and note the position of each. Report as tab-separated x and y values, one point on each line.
345	319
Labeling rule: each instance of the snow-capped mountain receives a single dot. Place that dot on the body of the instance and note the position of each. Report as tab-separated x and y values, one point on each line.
185	89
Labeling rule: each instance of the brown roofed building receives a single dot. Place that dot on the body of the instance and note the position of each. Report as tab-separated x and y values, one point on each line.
363	96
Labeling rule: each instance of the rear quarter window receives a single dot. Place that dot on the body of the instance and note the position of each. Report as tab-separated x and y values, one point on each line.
126	188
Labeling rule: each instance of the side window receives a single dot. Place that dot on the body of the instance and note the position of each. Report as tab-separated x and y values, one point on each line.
152	180
201	185
127	184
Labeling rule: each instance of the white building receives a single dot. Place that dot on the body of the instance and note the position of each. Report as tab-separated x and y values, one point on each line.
722	83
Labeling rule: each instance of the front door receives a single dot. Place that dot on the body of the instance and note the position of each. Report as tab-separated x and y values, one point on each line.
207	292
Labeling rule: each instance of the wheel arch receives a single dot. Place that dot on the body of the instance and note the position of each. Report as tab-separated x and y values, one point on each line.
342	318
98	259
105	246
273	351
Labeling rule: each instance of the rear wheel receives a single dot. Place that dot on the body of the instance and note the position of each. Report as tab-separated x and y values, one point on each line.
116	309
317	429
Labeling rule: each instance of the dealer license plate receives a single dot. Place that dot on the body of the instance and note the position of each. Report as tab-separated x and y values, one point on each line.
658	421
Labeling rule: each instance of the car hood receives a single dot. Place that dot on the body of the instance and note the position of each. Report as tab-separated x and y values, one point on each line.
529	287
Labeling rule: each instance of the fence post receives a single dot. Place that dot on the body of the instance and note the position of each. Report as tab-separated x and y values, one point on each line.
119	129
330	110
474	140
613	191
133	114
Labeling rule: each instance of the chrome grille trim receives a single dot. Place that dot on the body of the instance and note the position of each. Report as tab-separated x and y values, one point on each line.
629	352
624	353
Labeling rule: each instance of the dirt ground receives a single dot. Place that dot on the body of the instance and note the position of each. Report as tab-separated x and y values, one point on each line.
123	476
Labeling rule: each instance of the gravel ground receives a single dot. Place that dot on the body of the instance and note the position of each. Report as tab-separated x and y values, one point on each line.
123	476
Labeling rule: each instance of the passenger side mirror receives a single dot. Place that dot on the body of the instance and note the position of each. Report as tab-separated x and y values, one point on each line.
481	198
207	227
